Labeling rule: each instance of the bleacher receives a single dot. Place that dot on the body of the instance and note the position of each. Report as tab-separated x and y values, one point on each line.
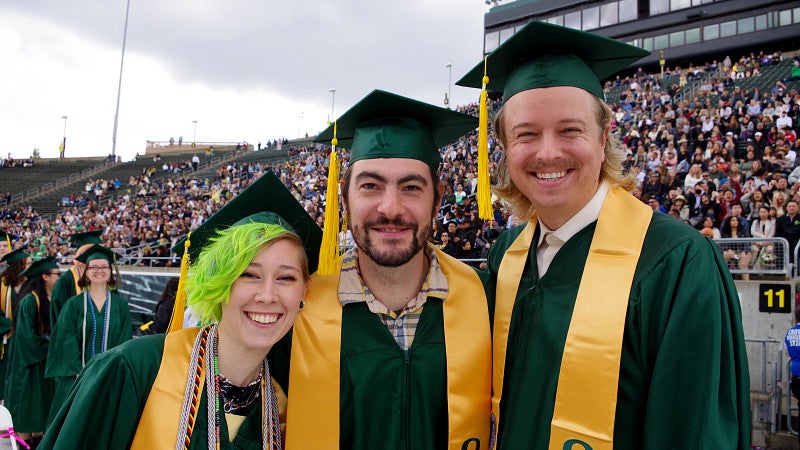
769	76
767	79
44	185
49	175
614	92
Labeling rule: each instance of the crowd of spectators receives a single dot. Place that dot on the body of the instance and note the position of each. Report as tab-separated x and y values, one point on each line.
177	167
145	215
724	161
8	161
724	153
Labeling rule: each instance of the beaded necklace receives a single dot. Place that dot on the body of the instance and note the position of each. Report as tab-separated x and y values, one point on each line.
206	344
89	306
239	400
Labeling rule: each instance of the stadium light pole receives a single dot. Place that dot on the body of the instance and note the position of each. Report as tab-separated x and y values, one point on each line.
299	122
449	66
194	133
333	98
119	86
63	140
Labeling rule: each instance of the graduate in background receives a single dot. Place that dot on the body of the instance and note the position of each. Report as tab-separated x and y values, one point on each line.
67	285
247	283
162	312
28	393
5	249
10	284
90	323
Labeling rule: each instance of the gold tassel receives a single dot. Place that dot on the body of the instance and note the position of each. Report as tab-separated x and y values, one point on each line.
116	270
484	191
8	241
176	320
329	250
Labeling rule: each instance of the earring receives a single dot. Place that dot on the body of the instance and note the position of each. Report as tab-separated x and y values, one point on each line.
302	305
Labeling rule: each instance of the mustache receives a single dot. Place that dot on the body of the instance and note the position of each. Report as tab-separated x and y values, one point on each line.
553	166
384	221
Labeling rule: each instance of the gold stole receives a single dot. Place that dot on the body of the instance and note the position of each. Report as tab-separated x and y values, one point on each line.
5	309
75	278
315	362
5	295
584	412
38	307
160	419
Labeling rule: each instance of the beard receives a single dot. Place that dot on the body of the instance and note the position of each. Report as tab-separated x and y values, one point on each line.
393	257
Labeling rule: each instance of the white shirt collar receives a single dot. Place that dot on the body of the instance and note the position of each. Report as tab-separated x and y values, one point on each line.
588	214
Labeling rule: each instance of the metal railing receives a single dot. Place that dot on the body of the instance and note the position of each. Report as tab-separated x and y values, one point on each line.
788	397
690	90
759	256
51	186
771	376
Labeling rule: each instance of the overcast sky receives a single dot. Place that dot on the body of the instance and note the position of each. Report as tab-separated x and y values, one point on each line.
244	69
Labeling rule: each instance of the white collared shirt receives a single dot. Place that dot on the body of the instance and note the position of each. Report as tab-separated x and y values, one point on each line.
551	241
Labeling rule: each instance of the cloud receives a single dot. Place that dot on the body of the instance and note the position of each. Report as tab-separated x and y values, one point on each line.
243	69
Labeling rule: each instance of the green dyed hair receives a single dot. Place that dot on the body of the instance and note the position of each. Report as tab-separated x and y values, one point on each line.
211	277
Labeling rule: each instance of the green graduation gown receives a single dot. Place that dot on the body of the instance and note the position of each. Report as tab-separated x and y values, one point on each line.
684	379
28	393
63	290
102	410
5	328
64	358
389	398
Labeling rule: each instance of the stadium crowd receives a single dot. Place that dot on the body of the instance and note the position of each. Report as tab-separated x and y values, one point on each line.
724	152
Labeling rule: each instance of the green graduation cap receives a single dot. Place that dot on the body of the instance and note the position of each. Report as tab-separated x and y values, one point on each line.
541	55
386	125
12	257
268	201
41	266
78	240
6	236
97	251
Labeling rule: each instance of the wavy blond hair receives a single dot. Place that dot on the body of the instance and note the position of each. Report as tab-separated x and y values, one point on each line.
610	170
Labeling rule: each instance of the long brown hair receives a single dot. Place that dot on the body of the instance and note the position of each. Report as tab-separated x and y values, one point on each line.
36	285
10	275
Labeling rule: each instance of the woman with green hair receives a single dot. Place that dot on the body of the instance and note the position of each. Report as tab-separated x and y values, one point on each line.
204	387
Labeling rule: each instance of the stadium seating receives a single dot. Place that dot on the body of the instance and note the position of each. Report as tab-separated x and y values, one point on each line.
49	174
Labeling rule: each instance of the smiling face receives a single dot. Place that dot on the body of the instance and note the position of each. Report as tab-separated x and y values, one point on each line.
98	272
265	299
389	205
554	149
